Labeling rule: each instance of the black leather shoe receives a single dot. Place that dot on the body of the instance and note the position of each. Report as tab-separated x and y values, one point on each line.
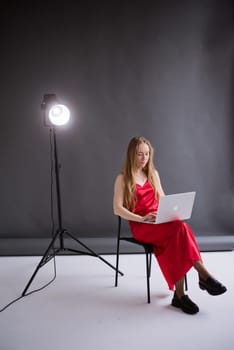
185	304
212	286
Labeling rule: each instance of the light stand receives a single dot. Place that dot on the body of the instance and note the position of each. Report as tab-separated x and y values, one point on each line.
51	251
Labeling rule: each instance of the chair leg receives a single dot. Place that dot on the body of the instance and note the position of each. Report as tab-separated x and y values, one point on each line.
150	260
117	272
148	269
186	282
117	253
117	268
117	264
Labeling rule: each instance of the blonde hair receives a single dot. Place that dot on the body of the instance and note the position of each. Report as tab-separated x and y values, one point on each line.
129	167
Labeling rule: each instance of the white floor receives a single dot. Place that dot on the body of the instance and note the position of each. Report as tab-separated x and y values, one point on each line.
83	310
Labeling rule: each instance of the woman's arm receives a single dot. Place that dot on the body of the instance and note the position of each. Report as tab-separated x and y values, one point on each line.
158	184
118	207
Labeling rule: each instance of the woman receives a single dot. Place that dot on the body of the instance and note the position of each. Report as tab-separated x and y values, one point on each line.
136	193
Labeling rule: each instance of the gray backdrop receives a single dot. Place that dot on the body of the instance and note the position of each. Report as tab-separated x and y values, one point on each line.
161	69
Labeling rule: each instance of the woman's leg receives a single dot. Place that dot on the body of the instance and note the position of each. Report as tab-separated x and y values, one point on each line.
182	301
179	286
202	271
207	282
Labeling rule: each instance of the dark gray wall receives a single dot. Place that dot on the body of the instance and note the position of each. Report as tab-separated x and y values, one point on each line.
160	69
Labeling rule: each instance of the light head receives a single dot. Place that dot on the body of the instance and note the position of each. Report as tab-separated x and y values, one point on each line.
55	114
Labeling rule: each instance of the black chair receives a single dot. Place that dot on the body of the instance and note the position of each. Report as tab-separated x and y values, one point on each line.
148	248
148	254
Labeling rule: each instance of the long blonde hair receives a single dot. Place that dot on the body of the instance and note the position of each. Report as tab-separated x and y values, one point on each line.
129	167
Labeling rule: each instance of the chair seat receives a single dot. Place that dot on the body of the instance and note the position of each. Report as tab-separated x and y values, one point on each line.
147	246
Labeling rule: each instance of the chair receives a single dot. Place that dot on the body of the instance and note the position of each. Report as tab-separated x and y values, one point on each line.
148	248
148	254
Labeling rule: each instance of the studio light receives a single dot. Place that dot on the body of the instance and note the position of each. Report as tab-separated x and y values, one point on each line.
55	113
59	114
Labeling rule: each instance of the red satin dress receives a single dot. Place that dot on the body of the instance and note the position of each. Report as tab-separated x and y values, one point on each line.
174	243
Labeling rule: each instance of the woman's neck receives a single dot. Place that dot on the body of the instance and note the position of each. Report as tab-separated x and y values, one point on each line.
140	177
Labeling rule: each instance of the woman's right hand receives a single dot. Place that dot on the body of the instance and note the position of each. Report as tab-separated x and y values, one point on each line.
149	217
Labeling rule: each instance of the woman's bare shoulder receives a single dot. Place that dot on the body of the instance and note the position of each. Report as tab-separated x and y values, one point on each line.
158	184
156	173
119	178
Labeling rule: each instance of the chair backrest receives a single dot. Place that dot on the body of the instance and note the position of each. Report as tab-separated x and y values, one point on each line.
147	246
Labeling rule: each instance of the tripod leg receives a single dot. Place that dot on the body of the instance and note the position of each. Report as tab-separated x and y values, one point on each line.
92	252
42	262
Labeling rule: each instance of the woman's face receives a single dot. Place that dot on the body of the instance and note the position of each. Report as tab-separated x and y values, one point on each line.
142	155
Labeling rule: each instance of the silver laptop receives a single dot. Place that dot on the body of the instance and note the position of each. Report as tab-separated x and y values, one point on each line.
175	207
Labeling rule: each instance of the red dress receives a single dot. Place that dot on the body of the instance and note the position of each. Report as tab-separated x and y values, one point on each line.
174	243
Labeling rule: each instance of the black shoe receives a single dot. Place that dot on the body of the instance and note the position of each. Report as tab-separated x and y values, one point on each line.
185	304
212	286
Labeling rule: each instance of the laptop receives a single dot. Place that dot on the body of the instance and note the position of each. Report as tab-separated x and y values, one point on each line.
175	207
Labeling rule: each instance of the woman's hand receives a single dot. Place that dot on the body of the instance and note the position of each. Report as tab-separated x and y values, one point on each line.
149	217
